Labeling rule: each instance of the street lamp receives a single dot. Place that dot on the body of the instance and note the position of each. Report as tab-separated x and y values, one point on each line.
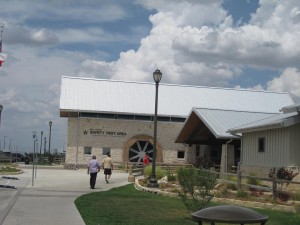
4	142
50	124
41	145
33	156
45	143
1	108
157	75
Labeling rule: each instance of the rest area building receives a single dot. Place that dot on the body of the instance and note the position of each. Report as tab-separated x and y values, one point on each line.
117	117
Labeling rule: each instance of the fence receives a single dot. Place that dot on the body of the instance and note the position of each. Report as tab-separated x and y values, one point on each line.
137	169
242	183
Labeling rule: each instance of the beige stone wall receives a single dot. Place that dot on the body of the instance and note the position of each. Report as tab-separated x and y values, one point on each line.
119	135
259	171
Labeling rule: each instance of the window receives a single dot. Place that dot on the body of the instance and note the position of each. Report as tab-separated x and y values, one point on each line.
261	144
197	150
87	150
180	154
105	150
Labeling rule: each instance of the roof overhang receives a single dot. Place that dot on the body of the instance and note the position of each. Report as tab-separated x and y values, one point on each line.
281	123
197	131
291	108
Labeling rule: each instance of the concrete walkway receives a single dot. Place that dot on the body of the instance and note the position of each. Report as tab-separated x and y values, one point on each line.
51	198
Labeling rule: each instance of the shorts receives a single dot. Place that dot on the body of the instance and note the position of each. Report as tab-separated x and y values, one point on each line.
107	171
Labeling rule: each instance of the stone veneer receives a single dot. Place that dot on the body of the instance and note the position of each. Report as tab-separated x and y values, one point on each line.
119	135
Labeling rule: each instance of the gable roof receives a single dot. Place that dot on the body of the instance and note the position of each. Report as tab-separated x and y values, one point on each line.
217	122
289	118
137	98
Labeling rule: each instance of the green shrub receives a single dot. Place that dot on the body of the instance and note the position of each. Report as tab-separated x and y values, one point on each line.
170	176
241	194
196	187
231	185
296	196
159	172
252	180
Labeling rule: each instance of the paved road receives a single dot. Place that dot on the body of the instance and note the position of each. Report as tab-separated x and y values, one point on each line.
51	198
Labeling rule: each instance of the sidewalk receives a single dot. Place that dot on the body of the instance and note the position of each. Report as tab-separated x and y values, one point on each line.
51	198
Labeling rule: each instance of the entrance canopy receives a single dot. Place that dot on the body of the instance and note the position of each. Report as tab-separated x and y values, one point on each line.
208	126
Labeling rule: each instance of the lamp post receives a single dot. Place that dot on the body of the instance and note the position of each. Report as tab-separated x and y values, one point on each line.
50	124
41	145
1	108
45	143
36	152
9	148
4	142
157	75
33	157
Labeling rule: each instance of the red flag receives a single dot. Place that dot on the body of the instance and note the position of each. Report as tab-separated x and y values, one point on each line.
2	58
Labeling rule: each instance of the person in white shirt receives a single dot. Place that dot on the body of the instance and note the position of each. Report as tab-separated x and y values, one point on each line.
93	168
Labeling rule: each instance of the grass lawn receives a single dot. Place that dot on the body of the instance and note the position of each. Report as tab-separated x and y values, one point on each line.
6	168
125	205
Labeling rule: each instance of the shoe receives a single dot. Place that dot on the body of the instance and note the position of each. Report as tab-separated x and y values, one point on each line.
92	188
106	181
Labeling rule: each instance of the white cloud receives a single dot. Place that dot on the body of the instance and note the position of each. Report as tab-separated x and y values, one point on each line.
289	81
270	41
16	35
191	42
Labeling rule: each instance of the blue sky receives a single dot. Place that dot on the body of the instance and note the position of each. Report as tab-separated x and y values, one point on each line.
221	43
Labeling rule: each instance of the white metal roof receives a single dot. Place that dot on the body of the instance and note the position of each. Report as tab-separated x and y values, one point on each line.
277	121
291	108
97	95
220	121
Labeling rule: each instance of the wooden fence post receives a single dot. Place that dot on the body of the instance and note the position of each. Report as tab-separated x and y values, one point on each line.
274	184
239	180
131	178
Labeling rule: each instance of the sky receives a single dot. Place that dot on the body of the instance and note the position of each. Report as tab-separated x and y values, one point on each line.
252	44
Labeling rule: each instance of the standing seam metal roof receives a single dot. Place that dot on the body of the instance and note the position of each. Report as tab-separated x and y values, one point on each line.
220	121
123	97
277	121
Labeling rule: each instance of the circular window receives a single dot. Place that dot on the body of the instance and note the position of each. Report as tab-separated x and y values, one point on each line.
138	150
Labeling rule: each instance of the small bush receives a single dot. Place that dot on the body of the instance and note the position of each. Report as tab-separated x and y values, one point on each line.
296	196
170	176
230	185
241	194
223	193
283	196
197	186
159	172
252	180
283	174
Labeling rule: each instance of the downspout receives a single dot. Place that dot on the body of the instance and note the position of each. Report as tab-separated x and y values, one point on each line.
239	166
226	163
77	137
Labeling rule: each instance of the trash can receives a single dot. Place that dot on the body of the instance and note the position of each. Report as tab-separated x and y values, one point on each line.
229	214
26	160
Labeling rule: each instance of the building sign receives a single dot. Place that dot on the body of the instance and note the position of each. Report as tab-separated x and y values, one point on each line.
100	132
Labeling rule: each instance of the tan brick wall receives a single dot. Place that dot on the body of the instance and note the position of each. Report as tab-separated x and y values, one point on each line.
111	134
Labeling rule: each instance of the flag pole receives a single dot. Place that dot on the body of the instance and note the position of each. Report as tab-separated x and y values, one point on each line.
2	26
